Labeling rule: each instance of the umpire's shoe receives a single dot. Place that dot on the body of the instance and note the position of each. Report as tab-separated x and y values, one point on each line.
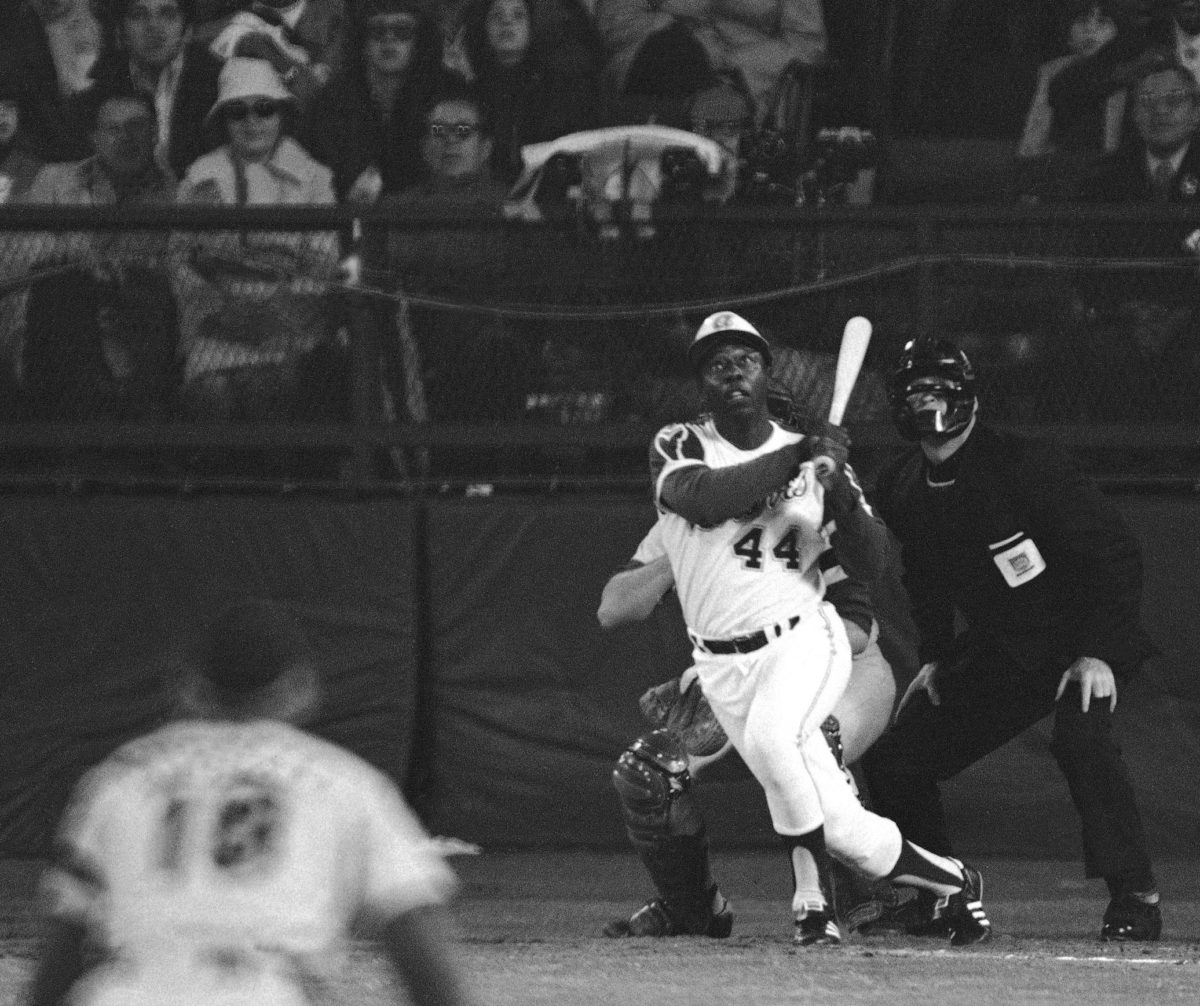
817	928
1130	919
964	915
655	919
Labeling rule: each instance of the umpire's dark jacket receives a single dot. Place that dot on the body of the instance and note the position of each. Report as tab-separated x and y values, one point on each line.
1030	552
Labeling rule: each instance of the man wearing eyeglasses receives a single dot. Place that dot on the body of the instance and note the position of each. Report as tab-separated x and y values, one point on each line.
99	318
1144	324
745	514
456	146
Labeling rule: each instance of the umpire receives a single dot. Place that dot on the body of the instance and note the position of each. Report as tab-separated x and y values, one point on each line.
1006	532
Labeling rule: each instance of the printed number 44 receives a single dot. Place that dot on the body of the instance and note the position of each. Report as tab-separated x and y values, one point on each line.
787	550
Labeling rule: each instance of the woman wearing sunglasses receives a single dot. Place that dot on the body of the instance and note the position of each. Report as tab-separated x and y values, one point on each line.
254	304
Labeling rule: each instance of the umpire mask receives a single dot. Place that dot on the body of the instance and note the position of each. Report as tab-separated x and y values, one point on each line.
932	390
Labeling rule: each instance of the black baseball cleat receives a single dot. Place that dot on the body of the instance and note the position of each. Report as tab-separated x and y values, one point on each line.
1128	919
655	919
964	915
817	929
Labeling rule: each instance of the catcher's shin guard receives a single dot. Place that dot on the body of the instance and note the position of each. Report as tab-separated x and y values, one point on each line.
666	829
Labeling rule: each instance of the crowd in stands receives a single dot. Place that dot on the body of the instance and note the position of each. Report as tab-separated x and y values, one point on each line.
437	103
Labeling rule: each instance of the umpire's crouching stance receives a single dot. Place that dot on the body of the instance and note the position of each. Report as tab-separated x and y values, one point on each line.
1048	580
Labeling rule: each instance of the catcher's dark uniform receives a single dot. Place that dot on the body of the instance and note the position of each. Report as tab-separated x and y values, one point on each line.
1042	570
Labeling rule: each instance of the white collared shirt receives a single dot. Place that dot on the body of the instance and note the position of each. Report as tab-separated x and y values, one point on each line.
164	89
1174	161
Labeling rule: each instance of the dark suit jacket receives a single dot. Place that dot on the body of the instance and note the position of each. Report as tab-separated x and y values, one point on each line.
195	95
53	125
1122	178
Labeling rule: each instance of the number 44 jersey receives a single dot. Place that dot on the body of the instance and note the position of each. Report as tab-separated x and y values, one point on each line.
222	863
753	570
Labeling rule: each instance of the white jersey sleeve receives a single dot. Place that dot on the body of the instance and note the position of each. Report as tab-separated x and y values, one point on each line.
77	880
650	547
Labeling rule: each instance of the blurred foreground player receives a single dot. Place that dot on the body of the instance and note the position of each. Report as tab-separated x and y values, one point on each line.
1006	532
220	860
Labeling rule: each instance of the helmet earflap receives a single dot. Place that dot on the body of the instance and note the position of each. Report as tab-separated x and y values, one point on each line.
940	366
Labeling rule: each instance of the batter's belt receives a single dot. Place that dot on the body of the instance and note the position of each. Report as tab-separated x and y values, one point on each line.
744	644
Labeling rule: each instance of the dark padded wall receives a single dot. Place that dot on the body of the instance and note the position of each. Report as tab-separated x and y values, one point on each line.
93	591
527	702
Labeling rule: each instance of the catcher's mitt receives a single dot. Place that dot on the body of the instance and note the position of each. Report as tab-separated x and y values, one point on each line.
686	714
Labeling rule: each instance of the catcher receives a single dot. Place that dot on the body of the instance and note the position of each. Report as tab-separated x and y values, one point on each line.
653	777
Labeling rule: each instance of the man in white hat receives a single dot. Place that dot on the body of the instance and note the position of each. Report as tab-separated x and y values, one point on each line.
745	516
220	860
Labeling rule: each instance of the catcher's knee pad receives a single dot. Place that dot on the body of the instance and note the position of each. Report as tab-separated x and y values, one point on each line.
652	782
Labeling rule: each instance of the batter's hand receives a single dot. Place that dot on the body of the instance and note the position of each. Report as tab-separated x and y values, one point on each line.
925	681
1095	678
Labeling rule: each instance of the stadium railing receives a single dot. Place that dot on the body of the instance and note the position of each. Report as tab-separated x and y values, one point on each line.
464	352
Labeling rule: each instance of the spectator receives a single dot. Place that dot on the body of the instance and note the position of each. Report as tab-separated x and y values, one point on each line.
531	97
152	53
18	164
51	46
304	40
366	124
452	15
723	110
1088	28
1150	323
667	50
100	323
1078	110
568	22
1185	34
456	150
256	315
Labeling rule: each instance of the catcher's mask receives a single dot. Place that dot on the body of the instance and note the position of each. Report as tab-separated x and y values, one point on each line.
932	390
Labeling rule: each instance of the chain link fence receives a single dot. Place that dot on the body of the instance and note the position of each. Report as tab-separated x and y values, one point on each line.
182	346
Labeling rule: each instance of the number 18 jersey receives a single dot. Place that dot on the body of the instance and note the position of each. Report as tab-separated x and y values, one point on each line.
757	569
221	862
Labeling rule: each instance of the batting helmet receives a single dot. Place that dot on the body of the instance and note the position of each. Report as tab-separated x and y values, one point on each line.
722	327
940	367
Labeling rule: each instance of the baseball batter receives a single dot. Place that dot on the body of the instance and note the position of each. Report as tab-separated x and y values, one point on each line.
221	859
744	518
654	775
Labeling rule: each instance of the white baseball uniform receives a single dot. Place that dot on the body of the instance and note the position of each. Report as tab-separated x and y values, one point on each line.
754	583
220	864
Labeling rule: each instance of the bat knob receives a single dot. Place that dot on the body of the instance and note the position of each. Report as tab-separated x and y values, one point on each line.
824	465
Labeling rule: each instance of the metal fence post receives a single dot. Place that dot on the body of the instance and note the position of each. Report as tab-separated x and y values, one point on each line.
366	371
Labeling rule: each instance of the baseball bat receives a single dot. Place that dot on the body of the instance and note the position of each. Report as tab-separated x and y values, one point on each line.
856	336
